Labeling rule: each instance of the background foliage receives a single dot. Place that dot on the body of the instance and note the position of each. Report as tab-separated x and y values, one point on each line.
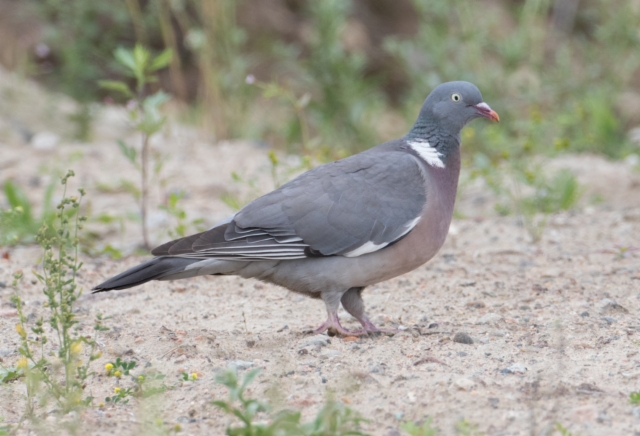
561	78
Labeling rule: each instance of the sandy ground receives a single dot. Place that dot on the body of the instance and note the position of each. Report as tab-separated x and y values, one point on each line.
555	325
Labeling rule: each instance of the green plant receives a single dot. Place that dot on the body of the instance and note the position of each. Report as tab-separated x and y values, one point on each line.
414	429
10	374
298	129
189	377
144	112
564	431
180	215
121	395
144	385
18	223
526	190
347	99
4	429
119	367
334	419
63	377
465	428
279	172
634	397
560	192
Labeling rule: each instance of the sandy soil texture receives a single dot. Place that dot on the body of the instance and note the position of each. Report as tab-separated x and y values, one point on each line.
554	325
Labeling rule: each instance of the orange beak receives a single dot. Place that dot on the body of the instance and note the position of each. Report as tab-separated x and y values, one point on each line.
485	111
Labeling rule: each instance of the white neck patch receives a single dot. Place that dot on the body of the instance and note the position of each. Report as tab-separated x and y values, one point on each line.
427	152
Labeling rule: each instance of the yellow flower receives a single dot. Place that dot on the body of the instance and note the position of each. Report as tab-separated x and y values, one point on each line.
108	367
141	378
194	376
117	390
22	363
76	348
101	406
21	331
117	374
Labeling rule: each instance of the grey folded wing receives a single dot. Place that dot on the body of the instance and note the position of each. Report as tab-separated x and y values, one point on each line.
350	207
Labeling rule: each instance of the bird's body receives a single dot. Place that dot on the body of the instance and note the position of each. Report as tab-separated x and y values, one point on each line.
341	226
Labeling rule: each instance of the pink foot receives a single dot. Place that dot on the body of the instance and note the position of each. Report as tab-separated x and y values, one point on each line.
333	327
371	329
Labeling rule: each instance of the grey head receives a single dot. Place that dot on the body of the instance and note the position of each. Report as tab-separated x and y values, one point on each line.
448	108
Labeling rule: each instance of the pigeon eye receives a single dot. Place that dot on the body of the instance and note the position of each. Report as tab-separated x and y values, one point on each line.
456	97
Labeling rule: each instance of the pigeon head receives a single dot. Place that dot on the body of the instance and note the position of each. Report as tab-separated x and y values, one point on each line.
448	108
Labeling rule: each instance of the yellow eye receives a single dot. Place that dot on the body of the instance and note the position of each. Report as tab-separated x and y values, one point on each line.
456	97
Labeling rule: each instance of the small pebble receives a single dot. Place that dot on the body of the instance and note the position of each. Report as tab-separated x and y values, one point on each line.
516	368
462	338
464	384
490	318
584	314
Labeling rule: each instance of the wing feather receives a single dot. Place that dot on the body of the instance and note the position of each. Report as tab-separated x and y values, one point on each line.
350	208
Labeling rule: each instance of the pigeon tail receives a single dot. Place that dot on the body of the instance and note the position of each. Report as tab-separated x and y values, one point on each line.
155	269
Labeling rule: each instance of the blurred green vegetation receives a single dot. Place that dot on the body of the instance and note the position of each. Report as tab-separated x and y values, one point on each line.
19	224
555	79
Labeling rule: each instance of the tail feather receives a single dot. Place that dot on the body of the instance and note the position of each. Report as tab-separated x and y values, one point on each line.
154	269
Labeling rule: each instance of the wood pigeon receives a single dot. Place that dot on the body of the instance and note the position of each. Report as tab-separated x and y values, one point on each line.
342	226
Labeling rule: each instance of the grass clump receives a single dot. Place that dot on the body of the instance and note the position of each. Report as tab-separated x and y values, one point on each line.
528	191
19	224
56	356
564	431
334	419
413	429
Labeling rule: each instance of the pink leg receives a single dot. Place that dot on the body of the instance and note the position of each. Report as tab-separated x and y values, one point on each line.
352	303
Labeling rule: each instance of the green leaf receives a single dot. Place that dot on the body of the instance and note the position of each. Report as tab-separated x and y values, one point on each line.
112	252
10	374
128	152
162	60
116	85
16	197
249	378
152	120
125	57
141	57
